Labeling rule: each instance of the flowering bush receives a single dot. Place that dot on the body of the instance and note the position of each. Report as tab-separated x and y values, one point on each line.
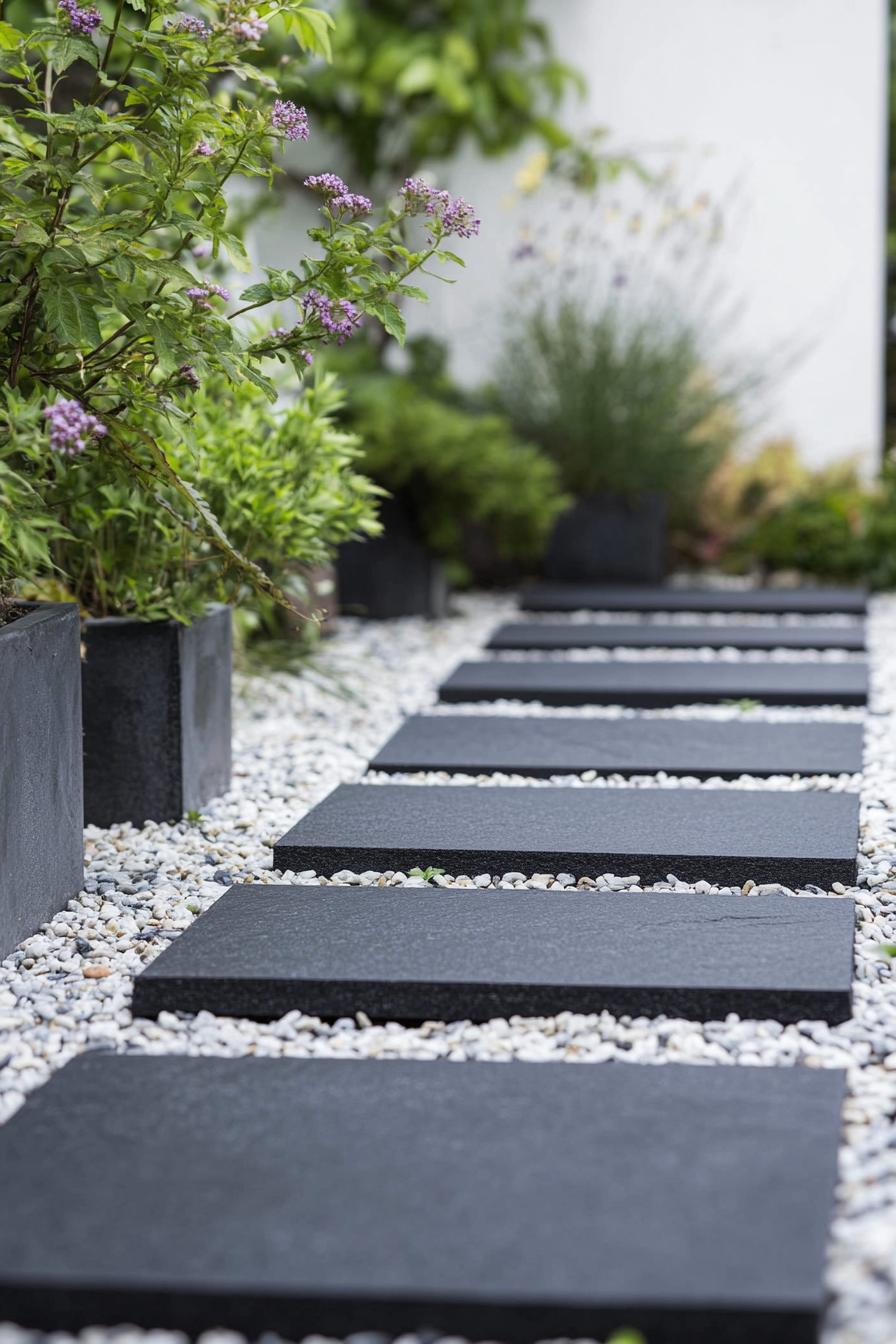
121	130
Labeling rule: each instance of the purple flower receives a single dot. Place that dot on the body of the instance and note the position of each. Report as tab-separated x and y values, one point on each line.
338	318
339	199
188	23
81	19
205	151
71	426
291	120
189	376
200	294
454	215
250	28
203	248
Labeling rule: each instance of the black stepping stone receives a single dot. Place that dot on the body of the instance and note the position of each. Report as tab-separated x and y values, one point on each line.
541	746
409	955
514	1202
596	635
634	597
654	685
722	835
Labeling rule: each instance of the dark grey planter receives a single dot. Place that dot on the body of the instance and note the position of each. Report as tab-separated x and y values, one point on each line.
608	537
41	800
395	574
156	717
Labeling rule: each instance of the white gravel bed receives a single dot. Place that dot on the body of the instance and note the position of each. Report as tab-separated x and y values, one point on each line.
700	654
67	989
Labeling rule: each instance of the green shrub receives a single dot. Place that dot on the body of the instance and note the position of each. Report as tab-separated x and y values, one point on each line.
484	500
283	483
623	404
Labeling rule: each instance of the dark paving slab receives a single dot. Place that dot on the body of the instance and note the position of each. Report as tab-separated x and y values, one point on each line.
496	1201
634	597
409	955
655	685
540	746
722	835
594	635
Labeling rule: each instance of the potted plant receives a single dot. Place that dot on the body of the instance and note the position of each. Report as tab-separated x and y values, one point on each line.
115	316
626	406
468	500
41	812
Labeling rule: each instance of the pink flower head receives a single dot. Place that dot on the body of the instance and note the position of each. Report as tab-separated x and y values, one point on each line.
189	376
82	19
200	294
71	426
454	215
203	248
204	150
338	318
188	23
250	28
339	199
292	121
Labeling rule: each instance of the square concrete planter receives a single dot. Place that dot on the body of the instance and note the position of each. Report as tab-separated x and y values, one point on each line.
606	537
156	716
395	574
41	801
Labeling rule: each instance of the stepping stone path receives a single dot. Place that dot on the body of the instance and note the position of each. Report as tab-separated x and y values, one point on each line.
511	1203
536	745
725	835
406	955
772	601
515	1202
657	685
648	635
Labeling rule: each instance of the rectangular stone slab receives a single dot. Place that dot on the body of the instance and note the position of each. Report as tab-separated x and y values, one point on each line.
655	685
739	635
496	1201
410	955
722	835
541	746
634	597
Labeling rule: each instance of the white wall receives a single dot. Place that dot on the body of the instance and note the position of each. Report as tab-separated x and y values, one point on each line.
775	108
778	105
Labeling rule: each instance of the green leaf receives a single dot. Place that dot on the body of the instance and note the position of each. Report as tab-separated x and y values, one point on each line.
64	51
257	294
420	75
70	317
9	37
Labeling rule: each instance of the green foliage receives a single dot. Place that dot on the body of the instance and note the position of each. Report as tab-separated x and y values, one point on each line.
832	529
27	527
427	873
412	81
116	151
623	404
283	484
464	475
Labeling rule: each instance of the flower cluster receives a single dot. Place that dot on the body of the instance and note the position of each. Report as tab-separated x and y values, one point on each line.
291	120
204	149
189	376
339	199
453	214
200	294
250	28
338	318
81	19
188	23
71	426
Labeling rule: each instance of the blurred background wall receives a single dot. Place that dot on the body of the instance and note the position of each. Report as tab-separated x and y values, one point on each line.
773	112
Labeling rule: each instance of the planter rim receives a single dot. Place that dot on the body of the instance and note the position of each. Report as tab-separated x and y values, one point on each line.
34	614
210	610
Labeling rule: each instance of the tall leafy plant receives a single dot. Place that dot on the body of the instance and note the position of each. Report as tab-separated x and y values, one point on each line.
624	402
122	126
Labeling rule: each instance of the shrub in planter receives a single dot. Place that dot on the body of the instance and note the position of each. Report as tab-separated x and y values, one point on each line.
468	491
41	809
157	640
121	129
635	421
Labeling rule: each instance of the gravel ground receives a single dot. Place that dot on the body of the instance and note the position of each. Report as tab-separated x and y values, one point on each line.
68	989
